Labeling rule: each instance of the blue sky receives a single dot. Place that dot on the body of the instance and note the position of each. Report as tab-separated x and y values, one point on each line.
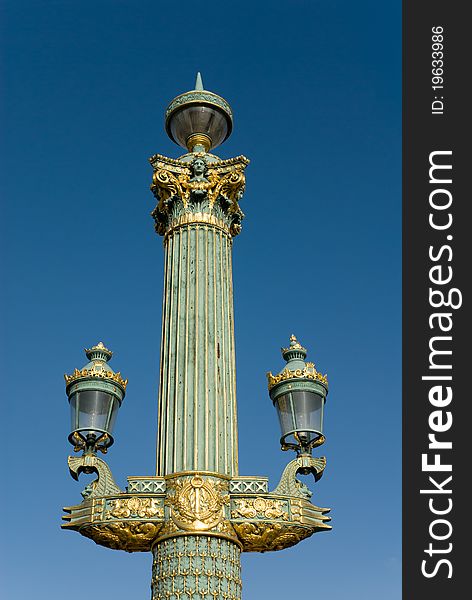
315	90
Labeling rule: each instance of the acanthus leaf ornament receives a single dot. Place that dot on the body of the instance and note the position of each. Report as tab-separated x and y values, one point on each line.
166	185
265	537
132	536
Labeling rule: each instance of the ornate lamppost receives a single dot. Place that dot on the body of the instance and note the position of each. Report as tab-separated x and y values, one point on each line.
197	514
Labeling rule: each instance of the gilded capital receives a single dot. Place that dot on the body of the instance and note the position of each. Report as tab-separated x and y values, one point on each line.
198	188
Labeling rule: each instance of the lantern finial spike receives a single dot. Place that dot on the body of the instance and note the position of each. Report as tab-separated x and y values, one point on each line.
199	82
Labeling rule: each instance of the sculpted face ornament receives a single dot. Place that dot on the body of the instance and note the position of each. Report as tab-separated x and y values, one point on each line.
199	168
199	185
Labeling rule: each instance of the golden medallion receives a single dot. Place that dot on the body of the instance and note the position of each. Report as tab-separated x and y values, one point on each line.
197	505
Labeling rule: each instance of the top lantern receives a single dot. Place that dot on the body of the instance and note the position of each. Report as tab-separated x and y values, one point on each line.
199	120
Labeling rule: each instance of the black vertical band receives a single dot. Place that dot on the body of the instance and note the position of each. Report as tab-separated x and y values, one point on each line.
437	259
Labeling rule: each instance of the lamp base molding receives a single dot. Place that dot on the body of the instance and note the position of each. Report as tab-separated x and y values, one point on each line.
193	504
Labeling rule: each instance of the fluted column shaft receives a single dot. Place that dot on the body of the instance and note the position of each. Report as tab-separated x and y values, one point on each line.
197	428
197	551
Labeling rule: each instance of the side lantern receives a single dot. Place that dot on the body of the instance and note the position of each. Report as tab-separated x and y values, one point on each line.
95	394
299	393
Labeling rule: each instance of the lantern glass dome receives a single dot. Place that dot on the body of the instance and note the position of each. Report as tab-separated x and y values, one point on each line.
93	412
301	419
198	119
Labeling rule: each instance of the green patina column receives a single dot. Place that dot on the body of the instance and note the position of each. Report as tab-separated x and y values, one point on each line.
197	555
197	427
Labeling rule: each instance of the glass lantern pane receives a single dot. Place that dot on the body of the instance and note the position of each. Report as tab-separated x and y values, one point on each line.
93	411
285	413
74	417
308	411
198	119
113	415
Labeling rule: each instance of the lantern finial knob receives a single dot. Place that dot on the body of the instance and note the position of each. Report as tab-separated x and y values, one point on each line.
98	352
294	351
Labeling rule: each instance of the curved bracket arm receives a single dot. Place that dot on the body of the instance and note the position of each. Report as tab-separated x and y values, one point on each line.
104	485
289	484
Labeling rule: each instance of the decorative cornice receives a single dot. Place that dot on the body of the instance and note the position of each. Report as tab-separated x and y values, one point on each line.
309	372
199	218
97	371
159	161
199	97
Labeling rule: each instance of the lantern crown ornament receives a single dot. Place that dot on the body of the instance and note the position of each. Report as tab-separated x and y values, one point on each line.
95	394
199	120
299	393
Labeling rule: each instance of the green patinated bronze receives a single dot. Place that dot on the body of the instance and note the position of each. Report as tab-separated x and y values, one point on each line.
196	567
97	374
244	512
197	427
95	379
197	515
